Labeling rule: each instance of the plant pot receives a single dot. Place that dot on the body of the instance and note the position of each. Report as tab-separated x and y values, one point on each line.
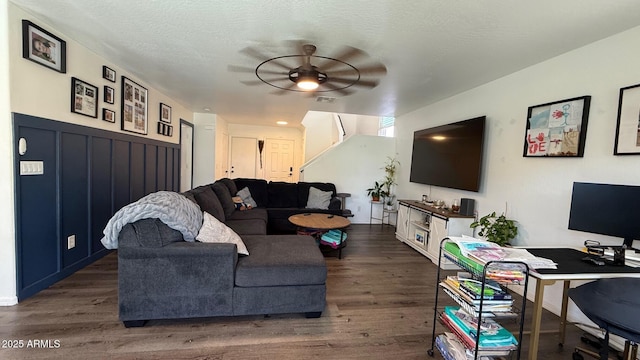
375	198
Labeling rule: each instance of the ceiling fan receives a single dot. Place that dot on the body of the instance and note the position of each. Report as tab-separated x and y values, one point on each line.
307	72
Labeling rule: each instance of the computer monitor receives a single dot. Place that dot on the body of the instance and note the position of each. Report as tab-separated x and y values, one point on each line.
606	209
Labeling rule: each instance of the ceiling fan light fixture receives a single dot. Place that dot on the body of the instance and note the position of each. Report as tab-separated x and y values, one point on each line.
307	84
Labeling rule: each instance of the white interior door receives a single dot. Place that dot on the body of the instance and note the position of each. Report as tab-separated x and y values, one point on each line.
243	157
278	160
186	156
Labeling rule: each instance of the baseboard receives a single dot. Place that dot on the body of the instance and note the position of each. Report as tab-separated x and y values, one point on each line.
8	300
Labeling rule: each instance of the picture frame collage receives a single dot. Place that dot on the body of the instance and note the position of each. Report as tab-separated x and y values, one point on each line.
109	74
164	127
46	49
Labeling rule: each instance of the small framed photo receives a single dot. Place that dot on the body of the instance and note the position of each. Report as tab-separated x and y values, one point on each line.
108	115
627	141
108	73
42	47
169	130
134	107
84	98
557	129
109	94
420	237
165	113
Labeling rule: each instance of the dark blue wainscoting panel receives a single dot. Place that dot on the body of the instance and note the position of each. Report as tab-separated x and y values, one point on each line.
89	174
151	157
137	171
74	197
38	253
101	184
161	174
121	174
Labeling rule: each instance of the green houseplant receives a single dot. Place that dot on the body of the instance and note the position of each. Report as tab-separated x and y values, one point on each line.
376	191
390	170
497	229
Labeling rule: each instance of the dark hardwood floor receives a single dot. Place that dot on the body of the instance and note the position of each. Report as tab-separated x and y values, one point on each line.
380	299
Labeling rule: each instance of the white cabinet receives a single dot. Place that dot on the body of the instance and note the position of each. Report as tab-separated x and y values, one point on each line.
423	227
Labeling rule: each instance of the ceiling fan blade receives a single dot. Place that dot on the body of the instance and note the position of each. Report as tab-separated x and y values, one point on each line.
361	82
374	69
345	54
246	69
297	49
337	89
262	57
240	69
283	90
260	82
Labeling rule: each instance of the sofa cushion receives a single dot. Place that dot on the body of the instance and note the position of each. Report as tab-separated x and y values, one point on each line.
208	201
257	187
248	226
225	198
230	185
283	195
189	195
213	231
283	260
318	199
245	195
303	191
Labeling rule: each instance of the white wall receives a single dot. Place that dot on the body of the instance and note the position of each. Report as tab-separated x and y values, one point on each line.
7	220
538	190
39	91
320	130
204	148
353	166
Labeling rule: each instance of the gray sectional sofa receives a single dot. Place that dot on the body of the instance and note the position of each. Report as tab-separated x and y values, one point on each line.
161	276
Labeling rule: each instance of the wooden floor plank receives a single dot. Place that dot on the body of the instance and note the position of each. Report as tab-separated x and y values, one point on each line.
380	303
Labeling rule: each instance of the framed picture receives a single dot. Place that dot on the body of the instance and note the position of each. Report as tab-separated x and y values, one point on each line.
557	129
42	47
134	107
108	115
108	73
164	129
627	140
165	113
109	94
84	98
420	237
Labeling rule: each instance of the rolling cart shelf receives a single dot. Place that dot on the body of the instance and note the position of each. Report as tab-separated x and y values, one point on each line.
479	310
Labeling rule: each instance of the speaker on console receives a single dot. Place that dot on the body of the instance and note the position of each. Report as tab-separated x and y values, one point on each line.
467	206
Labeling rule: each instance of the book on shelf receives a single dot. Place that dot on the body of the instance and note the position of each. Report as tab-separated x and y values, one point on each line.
450	347
462	287
492	335
488	311
484	251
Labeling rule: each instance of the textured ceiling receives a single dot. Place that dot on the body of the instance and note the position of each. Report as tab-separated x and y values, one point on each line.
432	48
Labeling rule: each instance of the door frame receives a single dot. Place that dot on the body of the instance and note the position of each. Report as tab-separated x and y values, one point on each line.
190	148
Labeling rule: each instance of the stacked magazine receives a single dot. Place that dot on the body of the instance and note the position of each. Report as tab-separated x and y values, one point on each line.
466	292
493	340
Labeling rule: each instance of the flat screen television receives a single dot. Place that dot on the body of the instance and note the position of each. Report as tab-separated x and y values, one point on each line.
449	155
607	210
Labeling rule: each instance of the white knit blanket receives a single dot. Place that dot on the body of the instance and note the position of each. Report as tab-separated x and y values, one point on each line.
173	209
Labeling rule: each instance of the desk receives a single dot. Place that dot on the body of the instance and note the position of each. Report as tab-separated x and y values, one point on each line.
570	267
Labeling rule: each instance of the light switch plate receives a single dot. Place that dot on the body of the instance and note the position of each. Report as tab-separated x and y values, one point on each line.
31	167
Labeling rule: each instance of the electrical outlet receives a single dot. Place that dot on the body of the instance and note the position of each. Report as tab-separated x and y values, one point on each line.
71	242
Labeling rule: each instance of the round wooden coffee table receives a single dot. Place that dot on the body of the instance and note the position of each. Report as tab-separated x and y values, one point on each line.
317	224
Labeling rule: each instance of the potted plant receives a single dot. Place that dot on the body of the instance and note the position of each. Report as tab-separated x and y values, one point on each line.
497	229
390	169
376	191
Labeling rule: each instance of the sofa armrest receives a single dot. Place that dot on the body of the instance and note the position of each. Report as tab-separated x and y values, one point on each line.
335	203
181	268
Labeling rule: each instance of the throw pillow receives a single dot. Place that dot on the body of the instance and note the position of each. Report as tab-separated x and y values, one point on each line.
213	231
245	195
318	199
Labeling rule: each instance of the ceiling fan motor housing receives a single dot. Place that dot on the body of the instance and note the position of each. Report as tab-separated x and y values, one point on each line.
313	74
